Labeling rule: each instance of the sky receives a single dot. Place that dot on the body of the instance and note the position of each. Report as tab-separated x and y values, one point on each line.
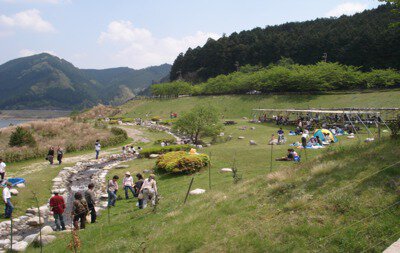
137	34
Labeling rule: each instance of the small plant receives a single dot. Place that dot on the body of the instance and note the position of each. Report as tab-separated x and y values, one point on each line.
235	175
21	137
395	128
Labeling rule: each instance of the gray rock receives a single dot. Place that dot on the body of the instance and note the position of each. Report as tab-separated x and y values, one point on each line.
226	170
4	242
152	156
46	230
46	239
34	221
19	246
252	142
30	238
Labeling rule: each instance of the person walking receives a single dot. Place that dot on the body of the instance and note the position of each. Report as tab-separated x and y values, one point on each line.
112	189
57	206
79	211
60	154
7	201
2	170
128	184
138	187
149	190
91	202
97	147
50	156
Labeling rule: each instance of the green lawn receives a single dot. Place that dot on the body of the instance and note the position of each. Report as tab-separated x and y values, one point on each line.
241	105
313	206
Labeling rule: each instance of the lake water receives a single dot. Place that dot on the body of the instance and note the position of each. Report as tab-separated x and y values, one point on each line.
7	122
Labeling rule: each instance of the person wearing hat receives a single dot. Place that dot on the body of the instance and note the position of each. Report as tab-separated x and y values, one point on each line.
57	206
149	190
128	184
7	201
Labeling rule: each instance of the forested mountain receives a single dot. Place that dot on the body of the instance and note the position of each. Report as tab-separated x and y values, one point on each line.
363	39
46	81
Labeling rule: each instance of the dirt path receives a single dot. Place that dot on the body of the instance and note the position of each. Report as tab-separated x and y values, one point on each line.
135	134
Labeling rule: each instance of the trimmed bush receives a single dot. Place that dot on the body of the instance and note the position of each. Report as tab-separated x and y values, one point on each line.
21	137
170	140
162	150
182	162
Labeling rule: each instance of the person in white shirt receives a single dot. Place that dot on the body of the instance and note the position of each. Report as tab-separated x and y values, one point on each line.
149	190
304	137
7	201
128	184
2	170
97	147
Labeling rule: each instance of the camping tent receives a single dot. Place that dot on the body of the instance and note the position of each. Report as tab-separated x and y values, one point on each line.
320	133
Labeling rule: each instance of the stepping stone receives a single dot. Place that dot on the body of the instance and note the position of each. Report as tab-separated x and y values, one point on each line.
152	156
241	137
197	192
252	142
226	170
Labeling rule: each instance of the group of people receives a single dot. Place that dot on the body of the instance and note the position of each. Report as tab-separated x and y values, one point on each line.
144	190
58	153
130	150
81	206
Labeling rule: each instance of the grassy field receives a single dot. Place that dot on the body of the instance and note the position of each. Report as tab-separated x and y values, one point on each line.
241	105
324	204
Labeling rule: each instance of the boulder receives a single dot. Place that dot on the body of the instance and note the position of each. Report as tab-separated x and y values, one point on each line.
122	166
30	238
19	246
4	243
252	142
152	156
46	230
34	221
46	239
241	137
104	196
21	185
253	128
14	191
197	192
226	170
57	179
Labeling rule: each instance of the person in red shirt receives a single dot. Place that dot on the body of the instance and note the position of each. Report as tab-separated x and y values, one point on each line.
57	206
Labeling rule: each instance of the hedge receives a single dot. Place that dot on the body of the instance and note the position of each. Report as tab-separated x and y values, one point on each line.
146	152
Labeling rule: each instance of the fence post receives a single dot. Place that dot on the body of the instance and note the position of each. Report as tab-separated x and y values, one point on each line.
209	172
270	169
190	186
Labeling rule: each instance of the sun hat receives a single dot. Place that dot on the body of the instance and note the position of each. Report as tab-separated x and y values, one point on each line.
127	173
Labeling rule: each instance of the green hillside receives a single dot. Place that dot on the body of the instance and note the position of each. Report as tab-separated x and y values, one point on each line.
237	106
45	81
343	198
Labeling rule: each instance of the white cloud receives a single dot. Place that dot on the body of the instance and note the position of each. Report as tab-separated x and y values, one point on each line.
348	8
28	52
29	19
141	49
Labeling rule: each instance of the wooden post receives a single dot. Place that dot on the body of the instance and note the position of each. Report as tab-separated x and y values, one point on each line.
190	186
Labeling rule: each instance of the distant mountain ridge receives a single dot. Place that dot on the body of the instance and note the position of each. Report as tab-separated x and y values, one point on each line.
46	81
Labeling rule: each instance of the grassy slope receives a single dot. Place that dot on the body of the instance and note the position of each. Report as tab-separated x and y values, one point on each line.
241	105
285	211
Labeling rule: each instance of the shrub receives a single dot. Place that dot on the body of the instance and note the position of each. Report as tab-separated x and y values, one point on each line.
170	140
119	132
21	137
181	162
156	119
162	150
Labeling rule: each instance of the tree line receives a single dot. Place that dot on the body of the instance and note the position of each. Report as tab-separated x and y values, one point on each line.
285	76
366	39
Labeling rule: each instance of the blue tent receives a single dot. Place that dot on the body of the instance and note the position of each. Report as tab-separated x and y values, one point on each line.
16	180
320	133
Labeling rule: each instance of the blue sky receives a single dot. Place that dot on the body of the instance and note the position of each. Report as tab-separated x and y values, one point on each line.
105	33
